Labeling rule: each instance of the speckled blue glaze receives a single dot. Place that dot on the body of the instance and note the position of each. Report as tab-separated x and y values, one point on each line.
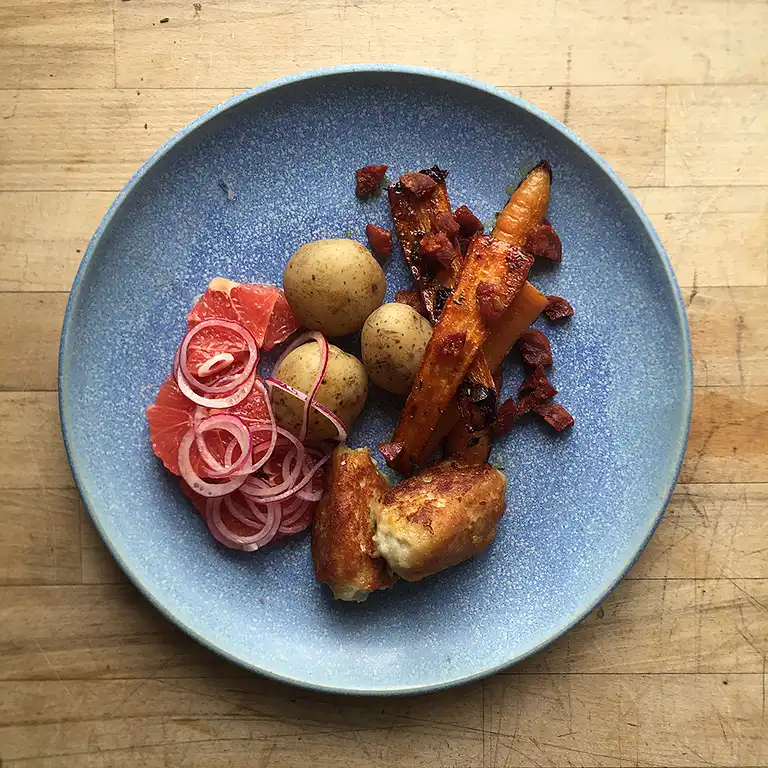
580	505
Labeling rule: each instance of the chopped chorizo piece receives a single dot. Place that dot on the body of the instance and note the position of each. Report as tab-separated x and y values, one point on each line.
390	450
534	348
469	224
380	240
557	309
435	172
369	179
418	184
489	301
453	343
538	384
555	415
413	299
544	242
505	417
438	250
477	405
445	222
535	390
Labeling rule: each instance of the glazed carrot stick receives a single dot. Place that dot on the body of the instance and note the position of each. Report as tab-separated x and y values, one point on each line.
526	208
414	218
493	274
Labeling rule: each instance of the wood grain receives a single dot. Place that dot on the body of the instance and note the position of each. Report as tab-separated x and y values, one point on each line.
236	44
94	140
33	451
671	669
710	531
730	151
715	236
41	538
56	44
30	325
639	720
625	125
35	256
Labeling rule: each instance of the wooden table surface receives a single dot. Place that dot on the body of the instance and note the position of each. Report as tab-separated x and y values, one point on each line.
671	669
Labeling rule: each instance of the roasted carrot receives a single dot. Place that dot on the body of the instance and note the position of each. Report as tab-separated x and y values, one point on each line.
526	208
414	218
494	271
525	308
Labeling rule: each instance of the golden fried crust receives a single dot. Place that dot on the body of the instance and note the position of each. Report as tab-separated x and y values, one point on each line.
445	514
343	552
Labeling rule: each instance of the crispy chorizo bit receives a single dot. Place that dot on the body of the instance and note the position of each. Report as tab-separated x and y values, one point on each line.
369	179
477	405
390	451
435	172
538	383
445	222
535	390
534	348
544	242
413	299
555	415
557	309
489	301
438	250
468	223
418	184
453	343
380	240
505	417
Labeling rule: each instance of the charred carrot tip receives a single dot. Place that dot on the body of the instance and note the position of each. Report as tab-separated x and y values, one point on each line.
545	166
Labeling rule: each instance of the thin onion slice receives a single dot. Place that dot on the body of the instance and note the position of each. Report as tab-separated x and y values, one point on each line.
216	402
252	517
299	525
195	482
341	430
246	543
215	364
297	487
309	398
258	488
242	438
244	467
236	381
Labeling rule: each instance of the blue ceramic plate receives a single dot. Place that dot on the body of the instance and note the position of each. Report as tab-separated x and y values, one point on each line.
581	505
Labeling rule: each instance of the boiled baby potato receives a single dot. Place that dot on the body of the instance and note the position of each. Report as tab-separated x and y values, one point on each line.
333	285
394	339
343	389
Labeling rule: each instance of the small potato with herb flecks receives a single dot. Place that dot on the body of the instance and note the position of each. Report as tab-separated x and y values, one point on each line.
343	389
333	285
394	339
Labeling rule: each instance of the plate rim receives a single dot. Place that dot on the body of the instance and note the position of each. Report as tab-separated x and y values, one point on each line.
428	73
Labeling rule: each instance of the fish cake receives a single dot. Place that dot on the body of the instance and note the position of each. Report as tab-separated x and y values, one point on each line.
343	552
441	516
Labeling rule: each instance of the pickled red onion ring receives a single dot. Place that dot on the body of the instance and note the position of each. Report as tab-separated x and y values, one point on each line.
297	487
240	378
195	482
246	543
216	402
341	430
242	438
215	364
309	398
